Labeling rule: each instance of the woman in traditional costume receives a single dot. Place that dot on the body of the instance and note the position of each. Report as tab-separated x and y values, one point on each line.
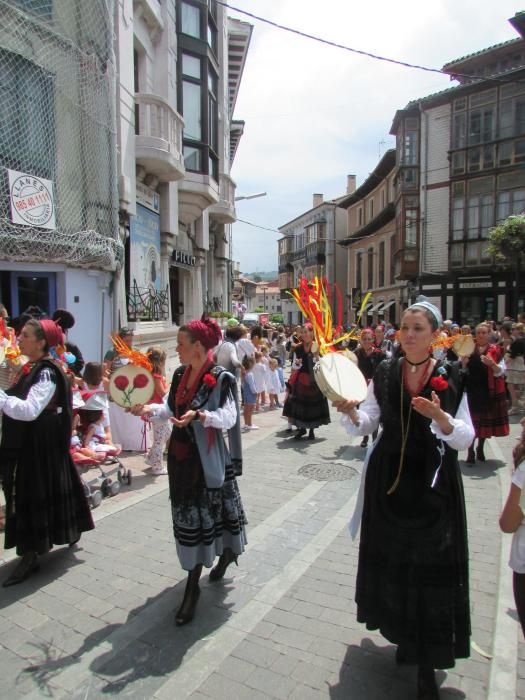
412	580
369	357
485	386
207	511
305	406
45	500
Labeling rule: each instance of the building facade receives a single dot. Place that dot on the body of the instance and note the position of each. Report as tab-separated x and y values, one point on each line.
268	297
59	236
308	248
460	172
180	66
369	245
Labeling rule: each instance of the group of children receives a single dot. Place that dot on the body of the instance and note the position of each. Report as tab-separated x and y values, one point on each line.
91	439
262	375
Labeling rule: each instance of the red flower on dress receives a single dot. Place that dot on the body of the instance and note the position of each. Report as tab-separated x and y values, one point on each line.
140	381
438	384
27	368
209	380
121	382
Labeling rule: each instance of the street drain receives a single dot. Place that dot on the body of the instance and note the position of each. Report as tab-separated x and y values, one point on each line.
328	472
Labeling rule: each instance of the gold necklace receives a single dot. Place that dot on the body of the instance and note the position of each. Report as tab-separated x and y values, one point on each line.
404	436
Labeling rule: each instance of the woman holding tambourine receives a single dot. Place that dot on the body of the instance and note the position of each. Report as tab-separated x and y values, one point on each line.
305	406
412	579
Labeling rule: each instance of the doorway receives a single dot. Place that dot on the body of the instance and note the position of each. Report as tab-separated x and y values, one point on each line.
474	309
32	289
177	306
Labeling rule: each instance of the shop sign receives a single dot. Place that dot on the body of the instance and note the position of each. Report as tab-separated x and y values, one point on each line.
31	199
475	285
181	257
148	197
144	238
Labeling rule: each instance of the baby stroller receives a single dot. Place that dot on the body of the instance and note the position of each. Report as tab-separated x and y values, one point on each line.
101	485
99	456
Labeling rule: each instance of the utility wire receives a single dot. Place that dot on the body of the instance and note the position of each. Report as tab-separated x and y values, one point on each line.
264	228
368	54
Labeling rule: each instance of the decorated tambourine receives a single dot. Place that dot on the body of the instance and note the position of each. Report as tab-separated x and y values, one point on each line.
464	345
339	378
131	384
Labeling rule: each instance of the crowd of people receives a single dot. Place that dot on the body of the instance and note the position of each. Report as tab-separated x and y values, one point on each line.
427	398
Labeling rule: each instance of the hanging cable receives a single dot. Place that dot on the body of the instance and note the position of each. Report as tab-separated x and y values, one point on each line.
368	54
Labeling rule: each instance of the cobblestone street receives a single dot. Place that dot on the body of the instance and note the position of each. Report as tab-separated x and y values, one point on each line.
97	620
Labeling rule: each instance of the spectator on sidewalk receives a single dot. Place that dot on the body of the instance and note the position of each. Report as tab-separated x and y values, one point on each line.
161	431
207	512
412	578
512	520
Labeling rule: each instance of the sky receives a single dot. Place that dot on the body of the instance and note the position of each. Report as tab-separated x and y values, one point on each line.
315	113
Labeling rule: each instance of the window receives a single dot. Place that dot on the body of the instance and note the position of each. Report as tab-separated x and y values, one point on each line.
370	268
198	88
481	125
392	259
359	270
382	198
190	20
371	210
409	155
411	216
509	203
381	280
458	163
360	216
459	130
27	116
512	118
192	110
480	215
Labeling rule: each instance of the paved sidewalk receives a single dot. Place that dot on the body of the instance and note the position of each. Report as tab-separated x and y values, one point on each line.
97	620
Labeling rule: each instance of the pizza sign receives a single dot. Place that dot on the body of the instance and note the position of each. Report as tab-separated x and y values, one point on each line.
32	201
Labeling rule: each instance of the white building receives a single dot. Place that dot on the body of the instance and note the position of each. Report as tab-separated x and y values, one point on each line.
309	248
180	64
59	239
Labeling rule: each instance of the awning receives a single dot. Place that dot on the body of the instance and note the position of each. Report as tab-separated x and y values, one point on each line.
387	306
375	307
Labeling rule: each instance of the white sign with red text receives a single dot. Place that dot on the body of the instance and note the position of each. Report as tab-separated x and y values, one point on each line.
32	201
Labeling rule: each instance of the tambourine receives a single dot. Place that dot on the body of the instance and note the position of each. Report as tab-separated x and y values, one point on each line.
339	379
131	384
464	345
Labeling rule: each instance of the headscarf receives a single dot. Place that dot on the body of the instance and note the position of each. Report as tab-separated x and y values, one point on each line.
422	302
206	331
53	333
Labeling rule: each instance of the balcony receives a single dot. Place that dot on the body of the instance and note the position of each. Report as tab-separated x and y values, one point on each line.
224	210
286	282
299	254
315	253
197	192
158	137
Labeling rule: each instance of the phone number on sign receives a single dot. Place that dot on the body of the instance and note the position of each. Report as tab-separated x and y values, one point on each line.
32	201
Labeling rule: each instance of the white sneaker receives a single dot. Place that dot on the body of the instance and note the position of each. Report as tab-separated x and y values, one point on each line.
159	472
253	427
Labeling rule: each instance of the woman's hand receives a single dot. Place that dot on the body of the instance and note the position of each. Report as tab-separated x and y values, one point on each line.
432	409
348	408
139	409
488	361
186	419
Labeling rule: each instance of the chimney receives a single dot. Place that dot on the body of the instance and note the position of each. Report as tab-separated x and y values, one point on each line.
318	199
350	184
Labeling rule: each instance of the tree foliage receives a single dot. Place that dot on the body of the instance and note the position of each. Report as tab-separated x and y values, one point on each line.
507	241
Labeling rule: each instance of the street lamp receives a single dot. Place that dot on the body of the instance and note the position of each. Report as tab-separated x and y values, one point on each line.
250	196
264	298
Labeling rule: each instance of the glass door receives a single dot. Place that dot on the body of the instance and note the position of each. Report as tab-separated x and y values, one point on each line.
37	289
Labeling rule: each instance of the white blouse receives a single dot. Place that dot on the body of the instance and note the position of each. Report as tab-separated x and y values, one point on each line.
39	396
368	416
222	418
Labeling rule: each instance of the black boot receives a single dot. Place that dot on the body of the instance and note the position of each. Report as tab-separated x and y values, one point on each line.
299	434
191	597
26	566
311	434
427	688
471	457
226	558
480	455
